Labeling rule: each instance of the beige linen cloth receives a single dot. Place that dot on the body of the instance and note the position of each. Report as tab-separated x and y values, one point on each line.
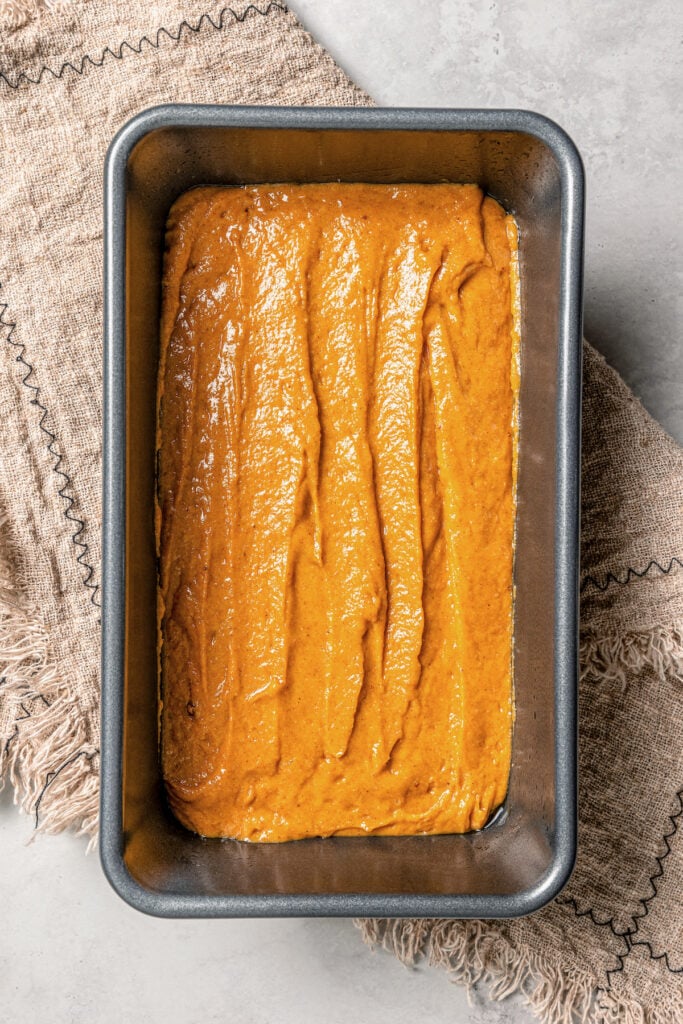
610	948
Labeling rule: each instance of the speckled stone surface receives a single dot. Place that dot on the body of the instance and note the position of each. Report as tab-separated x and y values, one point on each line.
70	950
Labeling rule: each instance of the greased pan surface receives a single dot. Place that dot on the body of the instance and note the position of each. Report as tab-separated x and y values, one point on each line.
520	860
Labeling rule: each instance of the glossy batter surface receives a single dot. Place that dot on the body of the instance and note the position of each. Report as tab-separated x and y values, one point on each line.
337	410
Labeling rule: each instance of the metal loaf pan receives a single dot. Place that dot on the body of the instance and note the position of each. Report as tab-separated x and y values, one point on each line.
522	859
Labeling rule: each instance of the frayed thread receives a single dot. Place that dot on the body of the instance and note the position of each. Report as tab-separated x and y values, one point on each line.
613	659
15	14
610	1008
46	751
404	937
474	952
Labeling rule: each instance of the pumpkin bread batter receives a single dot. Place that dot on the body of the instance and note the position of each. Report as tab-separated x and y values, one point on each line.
337	452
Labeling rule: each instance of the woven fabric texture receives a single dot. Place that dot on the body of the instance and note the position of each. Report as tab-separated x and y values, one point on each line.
610	948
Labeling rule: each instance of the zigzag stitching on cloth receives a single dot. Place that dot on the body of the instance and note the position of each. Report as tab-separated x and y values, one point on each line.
570	901
631	574
621	957
608	923
627	935
70	501
185	27
657	956
646	902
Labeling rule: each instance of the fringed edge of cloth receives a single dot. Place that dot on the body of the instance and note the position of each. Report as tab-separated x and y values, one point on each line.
477	953
46	752
612	659
474	953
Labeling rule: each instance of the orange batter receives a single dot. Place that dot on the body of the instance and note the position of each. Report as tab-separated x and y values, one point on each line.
337	410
